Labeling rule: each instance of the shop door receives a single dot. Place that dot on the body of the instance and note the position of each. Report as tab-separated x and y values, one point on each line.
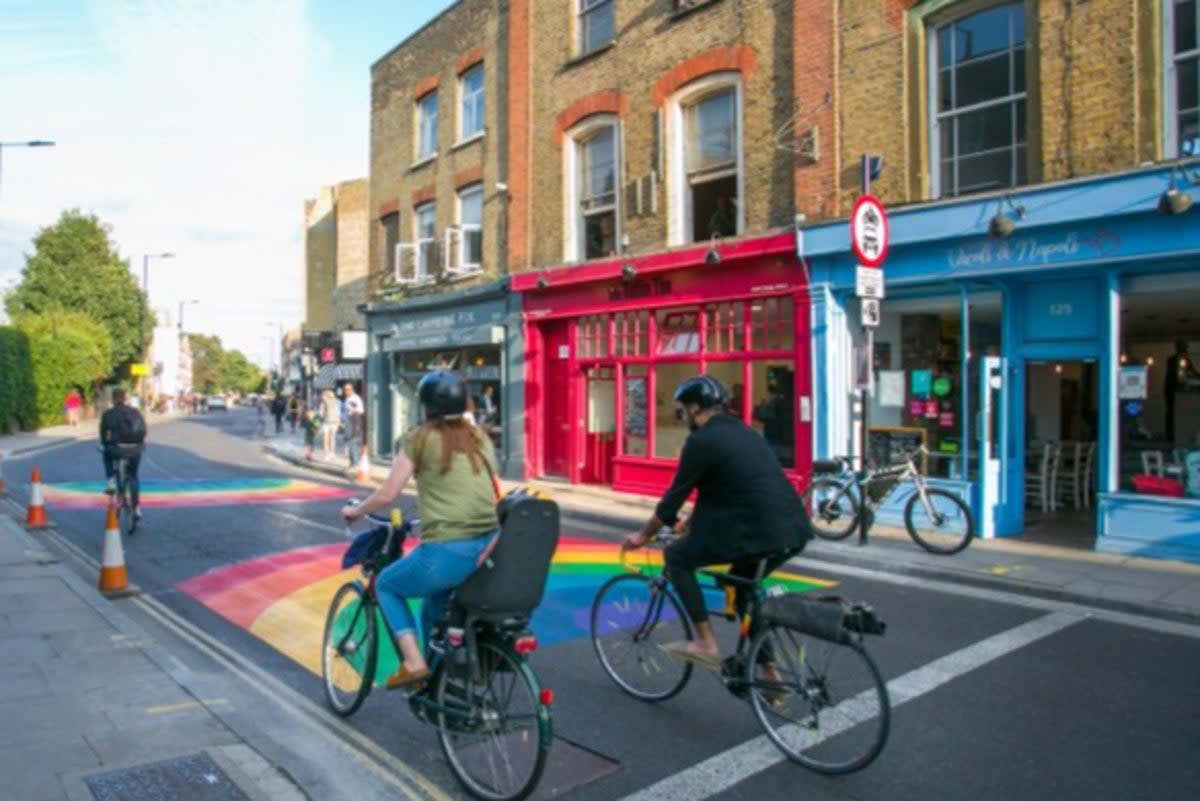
556	429
600	437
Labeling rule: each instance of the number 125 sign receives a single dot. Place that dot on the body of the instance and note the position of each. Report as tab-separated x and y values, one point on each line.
869	231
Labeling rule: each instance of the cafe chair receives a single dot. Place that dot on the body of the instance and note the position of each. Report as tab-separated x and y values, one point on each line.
1042	481
1152	463
1089	474
1074	472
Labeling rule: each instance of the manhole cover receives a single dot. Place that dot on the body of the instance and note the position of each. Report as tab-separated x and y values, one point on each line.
189	778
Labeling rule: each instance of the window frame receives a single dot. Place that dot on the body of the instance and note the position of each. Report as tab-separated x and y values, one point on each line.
1170	79
464	98
581	12
679	216
422	271
575	228
465	266
420	118
935	118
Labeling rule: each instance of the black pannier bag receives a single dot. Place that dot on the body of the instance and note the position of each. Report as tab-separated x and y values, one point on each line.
827	617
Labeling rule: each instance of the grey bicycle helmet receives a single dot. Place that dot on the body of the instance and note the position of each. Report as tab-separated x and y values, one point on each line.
703	391
442	394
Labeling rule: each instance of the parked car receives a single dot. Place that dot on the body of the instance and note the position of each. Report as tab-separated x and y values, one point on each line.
217	402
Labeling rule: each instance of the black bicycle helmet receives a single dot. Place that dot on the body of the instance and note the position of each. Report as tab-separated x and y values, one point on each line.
442	394
703	391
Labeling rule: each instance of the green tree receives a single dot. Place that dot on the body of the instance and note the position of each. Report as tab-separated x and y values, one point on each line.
208	363
74	267
240	373
67	350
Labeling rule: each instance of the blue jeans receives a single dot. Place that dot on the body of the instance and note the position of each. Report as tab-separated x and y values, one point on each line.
431	572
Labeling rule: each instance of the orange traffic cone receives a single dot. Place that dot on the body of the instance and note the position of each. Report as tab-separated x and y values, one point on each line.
35	517
363	475
114	581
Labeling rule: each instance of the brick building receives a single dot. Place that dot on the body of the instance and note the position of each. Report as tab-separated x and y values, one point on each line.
439	217
336	229
656	242
1039	164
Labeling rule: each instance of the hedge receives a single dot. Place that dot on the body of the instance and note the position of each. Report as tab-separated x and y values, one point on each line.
17	397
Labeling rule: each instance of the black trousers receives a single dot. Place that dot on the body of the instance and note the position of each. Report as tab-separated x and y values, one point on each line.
684	556
133	459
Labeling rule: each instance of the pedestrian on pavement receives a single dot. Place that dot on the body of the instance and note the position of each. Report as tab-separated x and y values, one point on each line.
311	426
331	420
355	412
278	407
453	463
73	404
293	408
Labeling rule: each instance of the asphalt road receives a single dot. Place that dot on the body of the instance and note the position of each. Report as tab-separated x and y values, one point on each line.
995	696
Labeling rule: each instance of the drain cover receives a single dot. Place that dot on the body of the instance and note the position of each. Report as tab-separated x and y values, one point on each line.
190	778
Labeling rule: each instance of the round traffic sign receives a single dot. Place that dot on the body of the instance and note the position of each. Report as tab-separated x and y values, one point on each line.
869	231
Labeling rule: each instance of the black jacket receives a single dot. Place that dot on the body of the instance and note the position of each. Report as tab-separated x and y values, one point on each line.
744	499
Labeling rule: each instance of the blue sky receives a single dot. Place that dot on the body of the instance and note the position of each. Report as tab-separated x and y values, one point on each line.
191	127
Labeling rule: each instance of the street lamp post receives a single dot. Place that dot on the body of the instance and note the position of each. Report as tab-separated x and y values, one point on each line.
142	311
30	143
183	303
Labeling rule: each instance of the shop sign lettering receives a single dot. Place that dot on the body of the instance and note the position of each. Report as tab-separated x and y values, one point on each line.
1033	250
640	289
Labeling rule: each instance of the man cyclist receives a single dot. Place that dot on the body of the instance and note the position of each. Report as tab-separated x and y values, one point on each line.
123	436
746	509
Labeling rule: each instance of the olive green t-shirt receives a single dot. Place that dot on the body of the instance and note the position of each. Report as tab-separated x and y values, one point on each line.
459	503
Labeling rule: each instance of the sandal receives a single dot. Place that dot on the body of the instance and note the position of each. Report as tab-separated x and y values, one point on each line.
679	650
405	679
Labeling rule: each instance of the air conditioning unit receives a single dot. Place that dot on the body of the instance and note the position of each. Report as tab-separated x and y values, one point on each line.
462	250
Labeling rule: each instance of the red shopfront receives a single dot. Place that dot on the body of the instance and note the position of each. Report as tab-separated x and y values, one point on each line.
607	343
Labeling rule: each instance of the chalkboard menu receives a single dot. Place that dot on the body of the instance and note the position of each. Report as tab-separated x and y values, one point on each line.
635	406
886	446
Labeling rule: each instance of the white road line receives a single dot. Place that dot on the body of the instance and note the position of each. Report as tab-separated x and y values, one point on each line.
307	522
718	773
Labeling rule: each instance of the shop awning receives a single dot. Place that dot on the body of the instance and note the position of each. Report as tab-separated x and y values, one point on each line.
330	375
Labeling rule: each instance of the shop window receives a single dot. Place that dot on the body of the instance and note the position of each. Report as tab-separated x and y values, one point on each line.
632	333
470	100
678	332
636	410
931	353
1182	85
594	203
704	127
978	119
591	337
670	432
773	407
427	124
594	25
725	332
772	326
731	375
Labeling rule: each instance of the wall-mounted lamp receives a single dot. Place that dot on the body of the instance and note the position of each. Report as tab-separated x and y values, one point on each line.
1002	225
628	271
543	282
713	256
1173	201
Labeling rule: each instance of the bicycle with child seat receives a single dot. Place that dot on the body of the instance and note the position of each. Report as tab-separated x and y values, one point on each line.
845	499
799	661
483	697
122	497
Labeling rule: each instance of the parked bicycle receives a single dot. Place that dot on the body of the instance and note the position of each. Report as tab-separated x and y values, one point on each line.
799	661
845	499
483	697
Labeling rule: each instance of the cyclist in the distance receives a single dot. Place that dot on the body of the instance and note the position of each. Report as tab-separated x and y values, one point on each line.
123	436
746	509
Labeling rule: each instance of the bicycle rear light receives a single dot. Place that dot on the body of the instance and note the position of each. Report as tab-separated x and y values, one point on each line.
546	697
526	644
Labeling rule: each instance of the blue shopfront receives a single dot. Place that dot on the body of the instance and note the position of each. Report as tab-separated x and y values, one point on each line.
1030	354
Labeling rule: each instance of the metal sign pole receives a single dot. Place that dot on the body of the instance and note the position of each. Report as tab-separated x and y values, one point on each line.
865	393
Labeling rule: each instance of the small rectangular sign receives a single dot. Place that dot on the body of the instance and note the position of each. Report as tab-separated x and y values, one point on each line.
1132	382
868	282
139	369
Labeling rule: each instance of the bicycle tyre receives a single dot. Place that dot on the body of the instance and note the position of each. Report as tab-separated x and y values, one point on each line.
947	544
626	601
831	523
838	732
349	612
483	711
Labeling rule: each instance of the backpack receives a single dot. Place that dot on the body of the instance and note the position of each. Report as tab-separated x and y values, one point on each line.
131	427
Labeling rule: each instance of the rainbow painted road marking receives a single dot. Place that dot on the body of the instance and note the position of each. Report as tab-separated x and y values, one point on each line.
282	599
200	492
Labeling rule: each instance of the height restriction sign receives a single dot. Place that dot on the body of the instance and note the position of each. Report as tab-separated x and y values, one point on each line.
869	231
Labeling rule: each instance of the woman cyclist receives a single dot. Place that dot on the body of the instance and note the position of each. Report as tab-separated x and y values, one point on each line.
454	464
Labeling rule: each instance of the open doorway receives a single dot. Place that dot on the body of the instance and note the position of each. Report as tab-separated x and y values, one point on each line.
1062	416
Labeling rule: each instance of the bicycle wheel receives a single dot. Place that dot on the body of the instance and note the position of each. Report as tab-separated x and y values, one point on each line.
349	649
947	531
631	617
493	727
833	509
827	708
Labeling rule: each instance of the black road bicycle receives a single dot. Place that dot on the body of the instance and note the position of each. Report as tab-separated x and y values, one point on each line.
123	497
799	661
483	697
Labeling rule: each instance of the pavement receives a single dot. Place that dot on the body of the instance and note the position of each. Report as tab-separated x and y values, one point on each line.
97	708
27	442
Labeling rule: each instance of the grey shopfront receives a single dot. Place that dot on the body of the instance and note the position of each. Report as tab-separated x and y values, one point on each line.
475	332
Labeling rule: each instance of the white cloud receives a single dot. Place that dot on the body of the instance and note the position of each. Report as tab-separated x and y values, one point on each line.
183	124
